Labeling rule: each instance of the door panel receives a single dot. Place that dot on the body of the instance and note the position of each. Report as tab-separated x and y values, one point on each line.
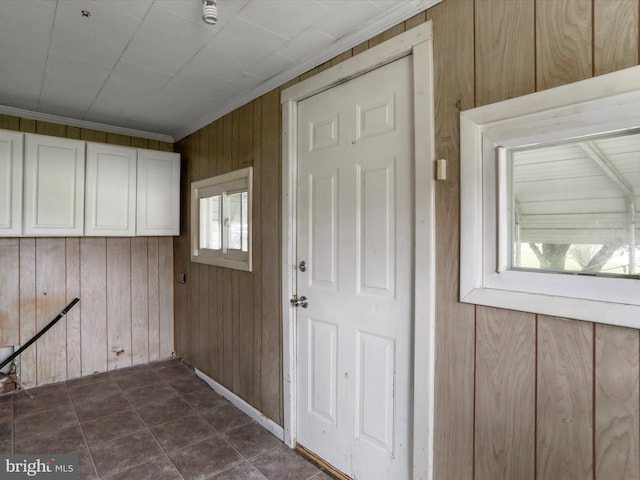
322	369
323	220
355	231
376	222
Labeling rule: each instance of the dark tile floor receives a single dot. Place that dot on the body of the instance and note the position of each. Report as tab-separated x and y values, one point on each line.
156	421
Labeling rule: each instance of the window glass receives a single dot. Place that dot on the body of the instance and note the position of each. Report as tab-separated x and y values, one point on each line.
221	220
573	205
210	226
238	221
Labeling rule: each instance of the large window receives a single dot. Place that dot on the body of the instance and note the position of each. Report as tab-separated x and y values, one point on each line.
221	220
550	190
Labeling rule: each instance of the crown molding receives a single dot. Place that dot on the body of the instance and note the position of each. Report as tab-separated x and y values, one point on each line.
72	122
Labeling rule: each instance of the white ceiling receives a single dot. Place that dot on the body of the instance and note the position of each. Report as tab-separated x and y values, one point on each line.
153	68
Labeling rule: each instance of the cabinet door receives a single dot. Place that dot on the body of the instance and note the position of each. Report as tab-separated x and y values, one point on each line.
110	196
54	186
158	193
10	183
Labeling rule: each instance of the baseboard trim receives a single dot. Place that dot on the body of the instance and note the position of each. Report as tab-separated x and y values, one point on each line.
243	406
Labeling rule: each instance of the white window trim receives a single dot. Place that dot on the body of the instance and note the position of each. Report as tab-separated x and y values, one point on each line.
605	103
222	184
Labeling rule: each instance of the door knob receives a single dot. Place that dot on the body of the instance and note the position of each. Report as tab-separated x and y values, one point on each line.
299	302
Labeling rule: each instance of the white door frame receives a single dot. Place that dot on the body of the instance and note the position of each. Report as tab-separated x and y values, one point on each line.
418	42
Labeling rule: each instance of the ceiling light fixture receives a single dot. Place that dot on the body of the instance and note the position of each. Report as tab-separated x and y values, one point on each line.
209	12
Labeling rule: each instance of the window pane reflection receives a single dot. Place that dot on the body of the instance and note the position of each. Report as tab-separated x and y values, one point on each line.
573	205
238	221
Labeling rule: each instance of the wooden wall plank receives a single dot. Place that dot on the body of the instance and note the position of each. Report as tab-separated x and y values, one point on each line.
505	39
9	122
27	125
214	167
565	403
617	419
51	298
74	353
271	362
563	41
139	301
93	135
184	291
245	279
52	129
257	253
615	34
154	298
93	306
166	298
119	303
10	292
235	290
202	320
27	360
505	395
455	324
227	276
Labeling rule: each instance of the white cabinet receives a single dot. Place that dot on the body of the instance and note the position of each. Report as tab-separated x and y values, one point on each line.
10	183
110	196
158	211
53	186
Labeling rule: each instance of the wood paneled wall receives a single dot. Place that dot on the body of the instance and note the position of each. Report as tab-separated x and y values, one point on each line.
518	396
125	286
229	322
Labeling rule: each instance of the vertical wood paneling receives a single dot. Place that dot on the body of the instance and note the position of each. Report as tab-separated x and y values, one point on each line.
74	355
455	329
565	403
215	351
166	298
506	38
154	312
119	344
271	316
257	253
9	293
616	403
505	395
235	298
139	300
245	279
51	363
28	310
615	34
93	304
202	320
227	289
563	41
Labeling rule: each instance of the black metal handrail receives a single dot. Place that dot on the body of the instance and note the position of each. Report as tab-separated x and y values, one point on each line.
40	333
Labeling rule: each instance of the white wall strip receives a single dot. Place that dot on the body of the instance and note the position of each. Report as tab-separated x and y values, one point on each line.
243	406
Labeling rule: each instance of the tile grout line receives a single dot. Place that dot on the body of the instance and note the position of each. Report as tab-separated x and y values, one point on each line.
84	438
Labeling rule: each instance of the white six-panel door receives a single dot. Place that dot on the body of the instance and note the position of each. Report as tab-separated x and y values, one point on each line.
355	233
